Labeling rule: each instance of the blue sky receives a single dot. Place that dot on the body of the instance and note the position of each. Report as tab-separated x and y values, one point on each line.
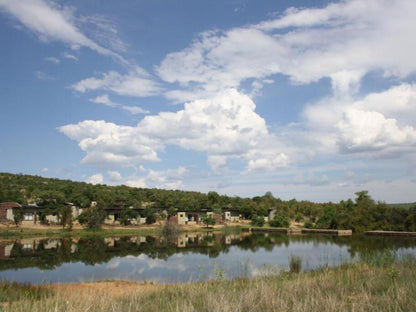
310	100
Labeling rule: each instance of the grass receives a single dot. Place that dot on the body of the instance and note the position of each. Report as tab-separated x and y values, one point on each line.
364	286
12	291
13	232
20	232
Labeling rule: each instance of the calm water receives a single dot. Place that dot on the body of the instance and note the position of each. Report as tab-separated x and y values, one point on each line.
189	257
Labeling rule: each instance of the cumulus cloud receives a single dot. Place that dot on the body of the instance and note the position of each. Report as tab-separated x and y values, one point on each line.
378	123
96	179
135	83
114	175
225	126
51	21
368	130
342	41
140	183
108	144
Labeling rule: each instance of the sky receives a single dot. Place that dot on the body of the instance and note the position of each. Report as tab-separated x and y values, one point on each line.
313	100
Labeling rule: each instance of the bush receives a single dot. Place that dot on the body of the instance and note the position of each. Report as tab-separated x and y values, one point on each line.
257	221
92	217
280	221
208	220
308	224
171	229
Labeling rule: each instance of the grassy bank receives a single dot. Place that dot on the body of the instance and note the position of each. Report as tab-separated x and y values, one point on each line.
11	233
372	285
20	232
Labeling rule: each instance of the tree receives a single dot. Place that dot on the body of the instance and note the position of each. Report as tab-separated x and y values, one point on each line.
128	214
281	221
18	216
92	217
65	216
208	220
257	221
150	214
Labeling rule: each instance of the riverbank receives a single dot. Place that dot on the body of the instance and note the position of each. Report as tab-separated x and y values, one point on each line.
43	231
365	286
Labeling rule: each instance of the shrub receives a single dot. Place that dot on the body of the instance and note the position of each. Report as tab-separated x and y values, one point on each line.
308	224
280	221
208	220
92	217
257	221
171	229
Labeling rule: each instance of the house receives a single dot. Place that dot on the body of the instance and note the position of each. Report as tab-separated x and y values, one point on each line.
232	215
32	213
193	217
113	215
6	210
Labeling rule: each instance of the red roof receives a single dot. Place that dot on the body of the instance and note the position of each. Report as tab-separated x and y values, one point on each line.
8	205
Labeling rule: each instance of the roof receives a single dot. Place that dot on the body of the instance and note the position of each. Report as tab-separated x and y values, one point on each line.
9	205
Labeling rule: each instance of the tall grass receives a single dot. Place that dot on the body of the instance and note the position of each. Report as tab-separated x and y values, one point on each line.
350	287
12	291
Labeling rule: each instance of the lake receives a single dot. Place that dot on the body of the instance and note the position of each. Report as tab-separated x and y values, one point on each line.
187	257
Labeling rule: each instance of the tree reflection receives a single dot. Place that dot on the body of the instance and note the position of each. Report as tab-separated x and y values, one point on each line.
47	254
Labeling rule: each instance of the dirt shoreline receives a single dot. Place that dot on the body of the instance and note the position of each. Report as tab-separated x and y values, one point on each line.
114	289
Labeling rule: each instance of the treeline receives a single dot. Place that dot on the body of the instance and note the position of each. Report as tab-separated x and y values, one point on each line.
360	214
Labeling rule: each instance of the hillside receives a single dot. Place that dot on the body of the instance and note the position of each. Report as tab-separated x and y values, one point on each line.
362	214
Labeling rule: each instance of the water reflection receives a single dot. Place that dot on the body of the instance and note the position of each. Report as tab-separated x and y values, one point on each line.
186	257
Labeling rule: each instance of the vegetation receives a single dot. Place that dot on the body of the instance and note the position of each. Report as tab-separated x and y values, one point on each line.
360	214
280	221
257	221
18	217
171	230
208	220
65	215
12	291
354	287
92	217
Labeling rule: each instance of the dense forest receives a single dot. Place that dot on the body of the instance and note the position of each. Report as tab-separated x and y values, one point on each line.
360	214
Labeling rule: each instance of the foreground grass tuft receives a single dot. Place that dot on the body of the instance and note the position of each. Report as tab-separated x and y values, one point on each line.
350	287
12	291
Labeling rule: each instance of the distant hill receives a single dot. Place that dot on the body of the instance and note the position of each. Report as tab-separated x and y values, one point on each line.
403	205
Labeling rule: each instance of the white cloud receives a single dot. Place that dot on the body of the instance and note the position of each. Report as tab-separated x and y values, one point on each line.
140	183
104	31
136	83
44	170
51	21
379	123
224	127
96	179
368	130
114	175
43	76
342	41
167	179
105	99
52	59
69	56
108	144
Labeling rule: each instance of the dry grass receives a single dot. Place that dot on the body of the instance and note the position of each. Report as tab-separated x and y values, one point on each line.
356	287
